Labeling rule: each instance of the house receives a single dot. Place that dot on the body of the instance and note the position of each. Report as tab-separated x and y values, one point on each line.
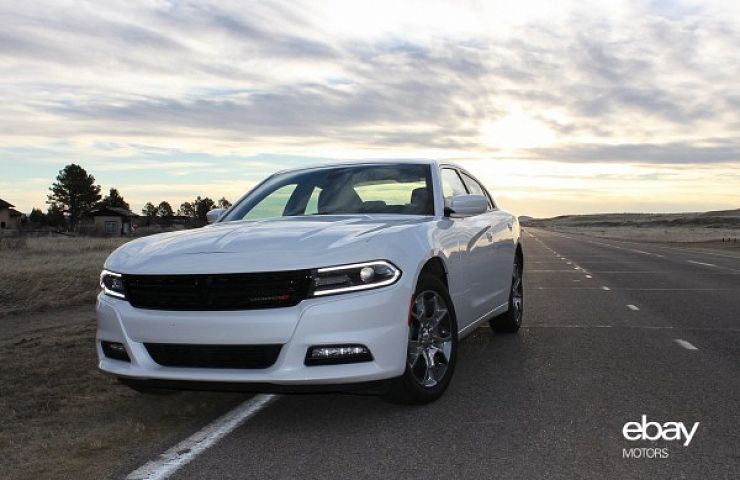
9	218
112	221
168	221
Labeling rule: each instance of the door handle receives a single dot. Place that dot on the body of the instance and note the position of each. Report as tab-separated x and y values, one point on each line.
509	225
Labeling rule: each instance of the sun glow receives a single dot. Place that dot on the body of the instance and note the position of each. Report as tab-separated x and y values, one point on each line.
516	131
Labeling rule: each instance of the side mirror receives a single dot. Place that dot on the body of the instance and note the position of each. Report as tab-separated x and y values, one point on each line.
214	214
468	204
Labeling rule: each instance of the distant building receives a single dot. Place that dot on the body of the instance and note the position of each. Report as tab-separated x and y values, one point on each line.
111	221
168	221
9	218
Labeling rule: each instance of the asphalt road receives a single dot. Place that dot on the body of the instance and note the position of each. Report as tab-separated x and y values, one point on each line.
599	348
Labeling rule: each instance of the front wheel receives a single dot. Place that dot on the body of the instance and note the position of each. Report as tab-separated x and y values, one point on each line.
432	345
510	321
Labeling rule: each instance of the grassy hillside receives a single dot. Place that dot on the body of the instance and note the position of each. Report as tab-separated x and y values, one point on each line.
716	219
718	228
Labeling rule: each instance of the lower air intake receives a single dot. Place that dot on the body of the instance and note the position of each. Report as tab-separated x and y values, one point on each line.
213	356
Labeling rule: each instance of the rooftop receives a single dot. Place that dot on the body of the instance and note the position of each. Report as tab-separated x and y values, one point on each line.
111	211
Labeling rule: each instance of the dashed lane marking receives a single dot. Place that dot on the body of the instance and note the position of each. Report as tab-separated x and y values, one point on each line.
701	263
685	344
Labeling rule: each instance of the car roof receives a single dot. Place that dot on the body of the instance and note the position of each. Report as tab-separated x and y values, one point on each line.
392	161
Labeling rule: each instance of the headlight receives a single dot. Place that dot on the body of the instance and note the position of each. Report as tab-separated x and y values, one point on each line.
112	284
354	277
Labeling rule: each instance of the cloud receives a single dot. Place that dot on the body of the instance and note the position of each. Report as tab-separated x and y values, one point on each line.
274	73
167	87
665	153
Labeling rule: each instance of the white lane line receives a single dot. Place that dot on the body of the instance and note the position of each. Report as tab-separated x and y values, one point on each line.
683	250
636	327
569	288
646	253
551	271
626	271
611	261
701	263
680	289
633	307
685	344
182	453
604	287
589	276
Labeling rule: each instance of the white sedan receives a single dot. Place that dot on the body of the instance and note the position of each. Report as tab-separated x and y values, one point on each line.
354	276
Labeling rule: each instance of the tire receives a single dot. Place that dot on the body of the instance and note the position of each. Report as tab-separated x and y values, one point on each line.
146	389
511	321
432	340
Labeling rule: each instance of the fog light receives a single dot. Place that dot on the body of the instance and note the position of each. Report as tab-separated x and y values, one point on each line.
115	350
337	354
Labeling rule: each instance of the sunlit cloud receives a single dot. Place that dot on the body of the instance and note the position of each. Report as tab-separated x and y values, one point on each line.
517	131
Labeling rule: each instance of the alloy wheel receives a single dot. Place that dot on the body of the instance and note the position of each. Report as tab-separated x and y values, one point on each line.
430	338
517	291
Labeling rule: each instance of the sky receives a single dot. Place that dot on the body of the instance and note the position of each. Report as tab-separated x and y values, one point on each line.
558	107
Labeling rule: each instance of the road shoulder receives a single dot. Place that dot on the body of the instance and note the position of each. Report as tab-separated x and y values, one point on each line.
62	418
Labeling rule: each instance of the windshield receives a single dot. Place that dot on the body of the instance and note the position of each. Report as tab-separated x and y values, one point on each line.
362	189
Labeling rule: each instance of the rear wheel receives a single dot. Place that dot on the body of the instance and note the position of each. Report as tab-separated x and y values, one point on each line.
510	321
432	345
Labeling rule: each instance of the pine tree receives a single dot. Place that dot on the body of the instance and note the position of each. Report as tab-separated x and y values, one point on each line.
74	192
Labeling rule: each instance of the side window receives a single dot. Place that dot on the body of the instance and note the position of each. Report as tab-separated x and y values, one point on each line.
476	188
272	205
312	207
451	185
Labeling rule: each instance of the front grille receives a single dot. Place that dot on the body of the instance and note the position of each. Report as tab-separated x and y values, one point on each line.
213	356
228	291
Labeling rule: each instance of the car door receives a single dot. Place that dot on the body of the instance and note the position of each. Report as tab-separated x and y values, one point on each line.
475	249
499	249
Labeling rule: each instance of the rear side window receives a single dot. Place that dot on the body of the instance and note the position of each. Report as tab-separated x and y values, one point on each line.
312	208
476	188
452	185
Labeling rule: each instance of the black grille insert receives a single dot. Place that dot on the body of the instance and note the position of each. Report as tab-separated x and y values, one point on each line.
228	291
213	356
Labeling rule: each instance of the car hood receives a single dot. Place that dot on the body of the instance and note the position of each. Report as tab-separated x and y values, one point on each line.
265	245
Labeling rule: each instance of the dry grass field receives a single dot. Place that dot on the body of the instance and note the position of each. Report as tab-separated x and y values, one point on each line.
52	272
61	417
715	230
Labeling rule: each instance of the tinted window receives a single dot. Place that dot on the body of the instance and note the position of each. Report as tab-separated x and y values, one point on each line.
476	188
313	202
451	185
361	189
273	205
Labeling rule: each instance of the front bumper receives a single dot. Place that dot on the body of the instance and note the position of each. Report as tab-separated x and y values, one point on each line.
376	319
